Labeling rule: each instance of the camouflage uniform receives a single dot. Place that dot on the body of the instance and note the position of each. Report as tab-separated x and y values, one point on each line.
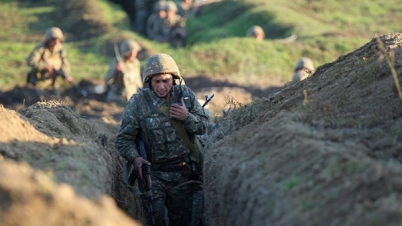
41	57
183	8
174	26
141	14
154	24
128	81
303	69
165	149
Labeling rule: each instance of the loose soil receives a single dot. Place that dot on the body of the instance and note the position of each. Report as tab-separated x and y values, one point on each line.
326	152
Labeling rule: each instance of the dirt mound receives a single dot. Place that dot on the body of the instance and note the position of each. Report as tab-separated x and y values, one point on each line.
70	149
326	152
30	197
82	18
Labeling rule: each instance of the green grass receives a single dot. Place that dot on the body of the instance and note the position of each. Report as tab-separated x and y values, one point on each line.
217	43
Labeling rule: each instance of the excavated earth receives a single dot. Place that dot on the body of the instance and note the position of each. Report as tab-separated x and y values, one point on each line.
326	151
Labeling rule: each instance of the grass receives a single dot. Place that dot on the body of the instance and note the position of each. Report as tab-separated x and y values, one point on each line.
217	46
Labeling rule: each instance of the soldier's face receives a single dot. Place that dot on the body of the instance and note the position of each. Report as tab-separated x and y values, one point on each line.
53	42
162	84
131	55
162	14
170	14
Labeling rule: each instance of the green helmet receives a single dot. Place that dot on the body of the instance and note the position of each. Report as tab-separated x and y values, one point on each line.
160	64
306	63
159	6
129	45
54	32
171	6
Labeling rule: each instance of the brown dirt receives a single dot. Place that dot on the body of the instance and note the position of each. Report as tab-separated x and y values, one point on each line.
326	152
70	138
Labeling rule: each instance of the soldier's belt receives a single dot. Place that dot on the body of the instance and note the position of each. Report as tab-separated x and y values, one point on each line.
175	166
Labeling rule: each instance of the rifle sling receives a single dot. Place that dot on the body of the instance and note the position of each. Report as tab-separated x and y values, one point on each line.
177	125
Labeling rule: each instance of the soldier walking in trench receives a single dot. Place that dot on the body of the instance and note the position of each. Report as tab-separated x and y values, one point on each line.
159	116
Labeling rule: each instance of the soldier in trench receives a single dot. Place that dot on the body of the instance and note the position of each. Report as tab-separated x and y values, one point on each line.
123	78
256	32
157	115
304	67
48	61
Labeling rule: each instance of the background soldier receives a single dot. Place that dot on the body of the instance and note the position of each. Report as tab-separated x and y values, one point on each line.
304	68
174	26
49	60
155	22
141	15
257	32
183	7
125	73
147	115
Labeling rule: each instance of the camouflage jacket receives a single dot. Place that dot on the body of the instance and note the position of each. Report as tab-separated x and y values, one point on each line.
41	56
162	141
128	80
154	28
173	26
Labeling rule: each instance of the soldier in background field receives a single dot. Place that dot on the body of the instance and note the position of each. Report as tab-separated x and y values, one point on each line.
141	14
49	60
155	22
174	26
257	32
183	7
124	75
303	69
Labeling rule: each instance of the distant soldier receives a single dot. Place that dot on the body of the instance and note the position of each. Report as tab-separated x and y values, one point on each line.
155	22
49	60
124	73
183	7
303	69
257	32
174	26
141	14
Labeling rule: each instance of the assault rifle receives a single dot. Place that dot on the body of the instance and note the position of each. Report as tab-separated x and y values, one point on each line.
146	178
68	81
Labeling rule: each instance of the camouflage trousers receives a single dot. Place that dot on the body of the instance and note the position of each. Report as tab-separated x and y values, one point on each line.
172	199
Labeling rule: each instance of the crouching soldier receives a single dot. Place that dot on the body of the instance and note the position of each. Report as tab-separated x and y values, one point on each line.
49	60
304	68
123	78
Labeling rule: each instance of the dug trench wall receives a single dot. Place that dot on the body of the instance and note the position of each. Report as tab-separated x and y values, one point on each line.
326	152
75	159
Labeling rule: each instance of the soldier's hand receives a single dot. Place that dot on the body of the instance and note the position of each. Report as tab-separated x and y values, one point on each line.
68	79
119	66
179	112
138	165
49	69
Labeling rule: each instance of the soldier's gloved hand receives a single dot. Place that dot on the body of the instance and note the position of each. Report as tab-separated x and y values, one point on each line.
179	112
138	165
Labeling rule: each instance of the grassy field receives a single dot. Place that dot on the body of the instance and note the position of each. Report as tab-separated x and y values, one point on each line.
217	46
